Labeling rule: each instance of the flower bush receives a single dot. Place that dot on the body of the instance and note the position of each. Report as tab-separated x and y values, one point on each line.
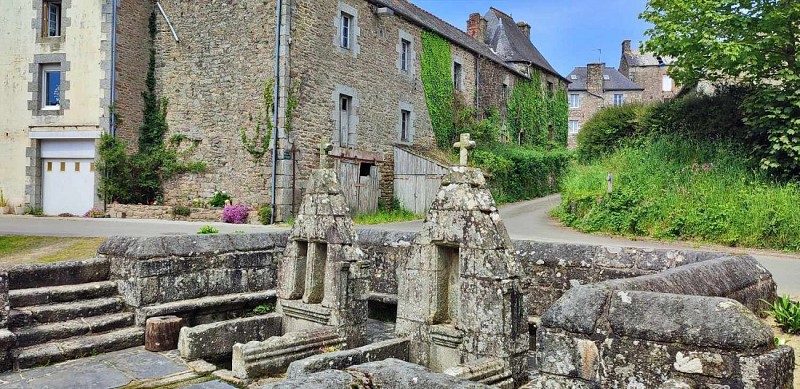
235	214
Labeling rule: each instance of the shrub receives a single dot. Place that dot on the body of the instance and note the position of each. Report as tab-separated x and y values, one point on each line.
34	211
3	200
264	309
205	230
786	314
219	199
519	173
610	128
235	214
265	214
181	210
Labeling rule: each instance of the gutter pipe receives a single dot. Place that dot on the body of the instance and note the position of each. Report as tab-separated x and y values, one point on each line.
278	10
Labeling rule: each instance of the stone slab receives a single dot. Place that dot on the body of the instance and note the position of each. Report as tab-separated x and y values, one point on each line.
217	339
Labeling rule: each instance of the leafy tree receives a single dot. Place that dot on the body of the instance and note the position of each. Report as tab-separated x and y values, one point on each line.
753	42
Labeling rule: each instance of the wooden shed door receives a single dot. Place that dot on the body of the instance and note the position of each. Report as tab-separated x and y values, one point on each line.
361	185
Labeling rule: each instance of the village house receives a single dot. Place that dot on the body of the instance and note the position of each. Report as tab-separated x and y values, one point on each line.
347	72
649	71
593	87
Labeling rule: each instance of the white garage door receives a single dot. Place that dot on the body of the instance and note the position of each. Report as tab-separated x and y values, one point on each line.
68	176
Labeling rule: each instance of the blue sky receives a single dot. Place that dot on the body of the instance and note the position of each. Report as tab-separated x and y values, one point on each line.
567	32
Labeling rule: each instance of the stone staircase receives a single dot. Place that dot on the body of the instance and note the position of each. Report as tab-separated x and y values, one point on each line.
67	315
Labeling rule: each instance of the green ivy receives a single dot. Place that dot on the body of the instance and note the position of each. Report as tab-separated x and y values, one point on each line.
258	144
436	79
542	116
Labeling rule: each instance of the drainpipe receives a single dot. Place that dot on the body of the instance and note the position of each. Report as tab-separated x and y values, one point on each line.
112	121
478	86
278	10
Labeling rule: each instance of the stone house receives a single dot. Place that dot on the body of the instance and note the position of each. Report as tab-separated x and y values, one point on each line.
346	72
649	71
594	87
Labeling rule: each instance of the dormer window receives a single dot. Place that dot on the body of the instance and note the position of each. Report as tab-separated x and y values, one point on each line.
573	76
606	77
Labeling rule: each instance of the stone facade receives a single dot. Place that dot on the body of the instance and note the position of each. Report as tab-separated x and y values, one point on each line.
133	55
649	71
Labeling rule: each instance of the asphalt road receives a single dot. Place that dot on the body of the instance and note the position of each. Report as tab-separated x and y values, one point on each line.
526	220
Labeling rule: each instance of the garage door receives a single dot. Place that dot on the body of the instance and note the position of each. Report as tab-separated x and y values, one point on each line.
68	176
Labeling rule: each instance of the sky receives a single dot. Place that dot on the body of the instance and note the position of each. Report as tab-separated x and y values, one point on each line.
567	32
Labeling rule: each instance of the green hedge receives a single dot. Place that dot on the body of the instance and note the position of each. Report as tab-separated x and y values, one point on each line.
520	173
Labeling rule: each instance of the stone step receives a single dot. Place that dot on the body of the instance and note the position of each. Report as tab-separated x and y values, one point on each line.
77	347
61	294
66	329
51	313
60	273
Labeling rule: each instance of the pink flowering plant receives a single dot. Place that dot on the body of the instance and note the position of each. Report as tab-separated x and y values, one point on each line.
235	214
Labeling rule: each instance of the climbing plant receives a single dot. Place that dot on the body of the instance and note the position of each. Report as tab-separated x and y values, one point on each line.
536	116
436	79
258	144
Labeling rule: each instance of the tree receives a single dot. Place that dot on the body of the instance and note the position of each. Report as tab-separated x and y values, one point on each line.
753	42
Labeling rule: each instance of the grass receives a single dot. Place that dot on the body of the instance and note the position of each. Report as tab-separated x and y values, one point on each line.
386	216
673	188
32	249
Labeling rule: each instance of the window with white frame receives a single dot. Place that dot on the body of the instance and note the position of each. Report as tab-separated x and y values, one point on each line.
405	53
51	19
458	74
619	99
405	125
51	87
574	127
666	83
345	30
574	100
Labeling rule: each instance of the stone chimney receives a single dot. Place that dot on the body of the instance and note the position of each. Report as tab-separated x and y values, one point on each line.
594	78
477	27
626	46
526	29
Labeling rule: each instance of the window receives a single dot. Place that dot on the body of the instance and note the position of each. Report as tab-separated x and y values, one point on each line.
619	99
666	83
551	88
458	73
574	128
404	55
405	126
346	29
606	77
77	166
573	76
51	18
574	100
51	87
365	169
504	92
345	111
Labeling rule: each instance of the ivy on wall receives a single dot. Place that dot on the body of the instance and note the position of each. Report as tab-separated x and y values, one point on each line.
436	78
537	117
258	144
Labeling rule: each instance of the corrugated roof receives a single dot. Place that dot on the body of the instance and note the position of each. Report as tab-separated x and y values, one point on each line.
510	42
637	58
446	30
616	80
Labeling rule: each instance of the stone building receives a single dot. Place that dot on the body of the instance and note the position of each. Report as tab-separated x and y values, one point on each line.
348	71
649	71
593	87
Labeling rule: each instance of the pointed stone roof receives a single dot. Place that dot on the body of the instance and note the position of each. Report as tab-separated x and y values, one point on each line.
508	41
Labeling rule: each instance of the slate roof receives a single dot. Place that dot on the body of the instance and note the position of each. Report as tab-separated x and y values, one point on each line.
427	20
508	41
616	82
637	58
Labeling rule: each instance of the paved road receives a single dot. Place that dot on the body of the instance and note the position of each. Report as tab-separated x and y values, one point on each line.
526	220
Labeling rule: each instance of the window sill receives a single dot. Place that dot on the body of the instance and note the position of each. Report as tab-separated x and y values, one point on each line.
51	108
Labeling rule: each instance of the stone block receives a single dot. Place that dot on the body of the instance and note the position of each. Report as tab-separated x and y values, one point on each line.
397	374
146	248
248	260
705	363
550	381
339	360
115	246
4	301
631	361
578	310
217	339
226	281
59	273
273	355
689	320
182	287
567	355
328	379
259	241
771	370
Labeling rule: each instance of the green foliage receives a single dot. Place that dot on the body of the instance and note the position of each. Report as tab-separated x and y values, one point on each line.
751	42
610	128
263	309
205	230
387	213
258	144
181	210
786	313
219	199
675	187
436	66
265	214
3	200
519	173
542	117
33	211
701	116
113	161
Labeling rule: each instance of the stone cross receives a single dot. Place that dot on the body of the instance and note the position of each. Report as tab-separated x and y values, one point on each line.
324	148
465	145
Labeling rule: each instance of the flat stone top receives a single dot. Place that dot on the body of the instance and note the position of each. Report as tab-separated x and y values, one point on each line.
464	175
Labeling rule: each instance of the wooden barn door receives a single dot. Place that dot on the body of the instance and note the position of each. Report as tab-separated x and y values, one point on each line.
361	185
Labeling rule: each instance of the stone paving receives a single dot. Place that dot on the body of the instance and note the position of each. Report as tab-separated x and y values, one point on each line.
131	367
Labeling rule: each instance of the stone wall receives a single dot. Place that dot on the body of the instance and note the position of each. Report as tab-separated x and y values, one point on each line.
651	78
590	104
165	212
133	54
214	80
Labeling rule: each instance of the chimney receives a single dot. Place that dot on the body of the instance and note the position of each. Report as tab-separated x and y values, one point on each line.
526	29
476	27
594	78
626	46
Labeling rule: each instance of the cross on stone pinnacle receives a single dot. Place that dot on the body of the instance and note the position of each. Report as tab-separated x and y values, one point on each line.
324	148
465	145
